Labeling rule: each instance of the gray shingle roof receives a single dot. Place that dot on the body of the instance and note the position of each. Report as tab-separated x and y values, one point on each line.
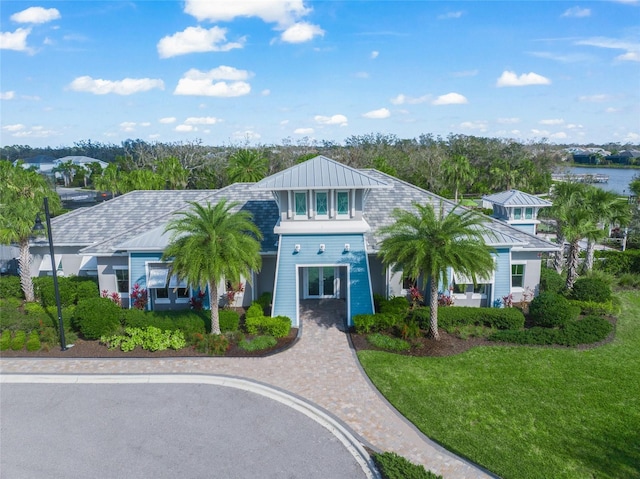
516	198
319	173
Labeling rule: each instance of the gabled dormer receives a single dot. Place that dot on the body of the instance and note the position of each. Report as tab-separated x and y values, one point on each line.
516	208
320	196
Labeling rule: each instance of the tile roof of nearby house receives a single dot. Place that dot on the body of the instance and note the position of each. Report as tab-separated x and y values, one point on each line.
381	203
319	173
516	198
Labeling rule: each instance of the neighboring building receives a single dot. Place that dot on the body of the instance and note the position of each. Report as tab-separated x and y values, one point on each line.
320	221
516	208
81	161
41	163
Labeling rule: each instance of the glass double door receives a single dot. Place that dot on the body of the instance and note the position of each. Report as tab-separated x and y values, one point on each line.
320	282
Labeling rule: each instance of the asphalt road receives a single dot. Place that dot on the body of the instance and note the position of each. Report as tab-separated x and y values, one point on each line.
161	431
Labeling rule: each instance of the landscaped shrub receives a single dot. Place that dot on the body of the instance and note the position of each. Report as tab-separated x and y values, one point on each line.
378	299
258	343
592	307
212	344
453	316
13	319
591	289
33	343
254	311
188	321
550	310
97	317
149	338
45	291
618	262
278	326
229	320
368	323
10	287
11	303
629	281
408	329
18	340
388	343
5	340
86	289
364	323
265	300
393	466
551	281
398	305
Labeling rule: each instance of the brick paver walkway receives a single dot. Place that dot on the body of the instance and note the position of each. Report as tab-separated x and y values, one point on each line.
321	368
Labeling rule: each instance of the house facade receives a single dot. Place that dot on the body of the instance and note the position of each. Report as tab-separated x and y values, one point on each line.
320	221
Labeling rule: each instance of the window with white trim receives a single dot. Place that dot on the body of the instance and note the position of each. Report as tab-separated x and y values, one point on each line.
300	204
517	275
179	287
528	213
342	204
122	280
517	213
322	204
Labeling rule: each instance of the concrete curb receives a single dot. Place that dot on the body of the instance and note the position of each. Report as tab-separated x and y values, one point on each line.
348	440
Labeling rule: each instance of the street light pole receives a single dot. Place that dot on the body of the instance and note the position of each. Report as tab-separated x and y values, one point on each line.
54	269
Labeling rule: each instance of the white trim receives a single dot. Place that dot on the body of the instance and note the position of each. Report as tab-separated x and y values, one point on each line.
347	215
296	216
275	282
45	264
517	289
315	197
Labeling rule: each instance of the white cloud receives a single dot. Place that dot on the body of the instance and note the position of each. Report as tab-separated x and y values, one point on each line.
7	95
304	131
301	32
537	132
402	99
36	15
127	86
15	40
168	120
185	128
203	120
265	92
450	99
509	78
331	120
377	114
577	12
479	125
196	82
197	39
374	54
632	138
450	15
12	128
127	126
573	126
561	135
632	48
612	110
508	121
282	12
553	121
246	135
145	124
363	75
594	98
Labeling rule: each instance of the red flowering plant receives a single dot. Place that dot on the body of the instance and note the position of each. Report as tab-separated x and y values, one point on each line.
416	296
232	291
114	296
197	301
445	299
139	297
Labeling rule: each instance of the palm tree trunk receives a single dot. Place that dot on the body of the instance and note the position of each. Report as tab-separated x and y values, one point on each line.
433	305
213	305
572	264
591	250
558	257
25	271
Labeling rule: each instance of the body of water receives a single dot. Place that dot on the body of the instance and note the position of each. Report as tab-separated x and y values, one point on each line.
619	178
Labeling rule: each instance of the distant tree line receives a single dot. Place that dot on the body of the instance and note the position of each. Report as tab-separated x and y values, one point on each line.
452	166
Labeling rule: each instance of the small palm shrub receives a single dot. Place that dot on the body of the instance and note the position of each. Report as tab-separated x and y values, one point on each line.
212	344
97	317
550	310
591	289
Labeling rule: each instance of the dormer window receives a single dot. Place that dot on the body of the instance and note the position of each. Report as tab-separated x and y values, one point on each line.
517	213
322	205
528	213
342	204
300	201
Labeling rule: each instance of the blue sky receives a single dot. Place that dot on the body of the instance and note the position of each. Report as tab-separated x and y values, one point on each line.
260	71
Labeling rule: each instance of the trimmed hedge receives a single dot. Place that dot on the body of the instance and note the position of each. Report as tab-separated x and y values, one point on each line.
18	340
33	343
398	305
86	289
97	317
393	466
265	300
452	316
370	323
10	287
618	262
187	321
230	321
550	310
591	289
277	326
5	340
592	307
255	310
551	281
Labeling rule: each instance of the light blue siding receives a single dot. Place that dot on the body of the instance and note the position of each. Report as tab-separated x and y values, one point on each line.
503	273
138	273
287	289
529	228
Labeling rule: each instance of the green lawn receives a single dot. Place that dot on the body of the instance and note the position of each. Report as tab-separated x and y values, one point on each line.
528	412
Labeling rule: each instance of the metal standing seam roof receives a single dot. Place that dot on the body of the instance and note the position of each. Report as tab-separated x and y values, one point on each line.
319	173
516	198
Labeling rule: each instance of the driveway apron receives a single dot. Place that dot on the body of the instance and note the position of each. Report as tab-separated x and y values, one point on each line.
321	367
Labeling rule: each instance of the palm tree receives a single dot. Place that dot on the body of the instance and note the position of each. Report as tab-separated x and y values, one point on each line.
173	172
247	166
109	180
428	244
503	175
210	244
458	172
607	209
22	199
565	196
